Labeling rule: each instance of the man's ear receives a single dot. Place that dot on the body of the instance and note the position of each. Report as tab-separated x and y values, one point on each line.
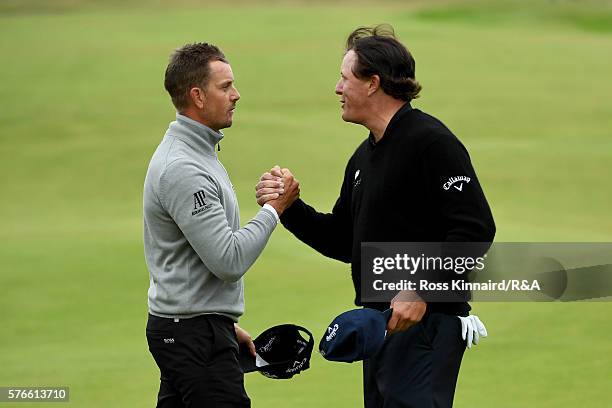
374	84
198	97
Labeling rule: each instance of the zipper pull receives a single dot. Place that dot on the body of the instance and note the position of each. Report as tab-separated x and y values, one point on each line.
219	146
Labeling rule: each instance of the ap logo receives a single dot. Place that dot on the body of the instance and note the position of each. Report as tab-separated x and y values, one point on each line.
199	204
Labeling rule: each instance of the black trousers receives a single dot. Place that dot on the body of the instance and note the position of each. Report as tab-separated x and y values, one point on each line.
198	362
417	368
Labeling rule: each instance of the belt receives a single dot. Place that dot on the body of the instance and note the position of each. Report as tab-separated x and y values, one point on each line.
190	319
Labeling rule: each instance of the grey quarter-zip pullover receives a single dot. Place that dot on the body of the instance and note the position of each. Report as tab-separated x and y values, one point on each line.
194	247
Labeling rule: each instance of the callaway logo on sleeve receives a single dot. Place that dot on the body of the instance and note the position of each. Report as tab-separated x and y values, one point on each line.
456	182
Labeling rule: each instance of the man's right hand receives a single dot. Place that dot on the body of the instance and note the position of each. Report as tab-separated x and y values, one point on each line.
270	187
278	188
408	310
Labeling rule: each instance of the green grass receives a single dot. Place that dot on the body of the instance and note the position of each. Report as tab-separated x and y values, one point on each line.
525	86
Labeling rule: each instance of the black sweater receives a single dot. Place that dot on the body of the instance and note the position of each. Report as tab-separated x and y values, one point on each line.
396	191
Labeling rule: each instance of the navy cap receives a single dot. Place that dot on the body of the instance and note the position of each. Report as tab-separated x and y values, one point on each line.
355	335
281	350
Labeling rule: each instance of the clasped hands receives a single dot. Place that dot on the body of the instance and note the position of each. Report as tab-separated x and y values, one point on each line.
277	188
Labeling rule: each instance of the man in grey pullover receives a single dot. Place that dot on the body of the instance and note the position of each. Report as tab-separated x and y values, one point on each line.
195	250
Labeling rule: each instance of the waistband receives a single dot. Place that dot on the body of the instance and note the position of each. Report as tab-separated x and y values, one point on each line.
190	320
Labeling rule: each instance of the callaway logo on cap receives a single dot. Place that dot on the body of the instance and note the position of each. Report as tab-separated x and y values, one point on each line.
281	350
355	335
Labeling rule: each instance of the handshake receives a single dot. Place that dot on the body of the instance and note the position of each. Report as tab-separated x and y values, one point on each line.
277	188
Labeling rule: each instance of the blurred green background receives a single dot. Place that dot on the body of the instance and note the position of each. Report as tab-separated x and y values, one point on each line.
526	85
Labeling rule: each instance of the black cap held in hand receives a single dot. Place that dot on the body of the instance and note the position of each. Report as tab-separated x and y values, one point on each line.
355	335
281	350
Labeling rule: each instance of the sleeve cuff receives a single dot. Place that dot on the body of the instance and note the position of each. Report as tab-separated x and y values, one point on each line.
273	211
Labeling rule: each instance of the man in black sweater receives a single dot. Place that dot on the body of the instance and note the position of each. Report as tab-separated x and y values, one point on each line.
411	180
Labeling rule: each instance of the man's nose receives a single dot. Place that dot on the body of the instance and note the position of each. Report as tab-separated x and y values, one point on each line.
339	88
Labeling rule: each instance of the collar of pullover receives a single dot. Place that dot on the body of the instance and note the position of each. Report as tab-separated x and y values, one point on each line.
388	130
199	136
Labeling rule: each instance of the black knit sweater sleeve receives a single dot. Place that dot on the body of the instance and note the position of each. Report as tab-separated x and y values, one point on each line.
331	234
455	191
460	207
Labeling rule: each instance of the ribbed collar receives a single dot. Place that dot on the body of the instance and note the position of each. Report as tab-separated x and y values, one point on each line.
195	134
388	130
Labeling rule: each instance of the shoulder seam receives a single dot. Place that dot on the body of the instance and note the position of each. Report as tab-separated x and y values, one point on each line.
168	152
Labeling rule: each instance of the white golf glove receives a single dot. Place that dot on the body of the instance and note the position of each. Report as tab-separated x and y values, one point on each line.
472	329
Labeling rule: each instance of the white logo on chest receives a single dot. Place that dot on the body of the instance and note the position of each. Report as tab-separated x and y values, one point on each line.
357	180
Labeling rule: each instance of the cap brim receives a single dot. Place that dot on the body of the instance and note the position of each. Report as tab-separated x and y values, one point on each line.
248	363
